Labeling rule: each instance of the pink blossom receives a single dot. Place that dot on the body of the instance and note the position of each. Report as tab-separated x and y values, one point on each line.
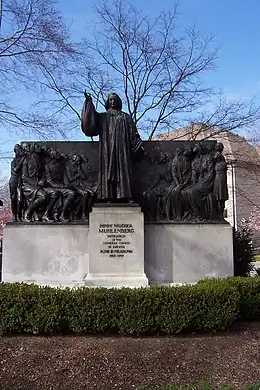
5	216
254	219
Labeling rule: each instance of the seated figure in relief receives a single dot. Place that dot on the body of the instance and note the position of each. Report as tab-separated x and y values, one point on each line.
197	198
32	181
77	181
153	197
54	176
181	175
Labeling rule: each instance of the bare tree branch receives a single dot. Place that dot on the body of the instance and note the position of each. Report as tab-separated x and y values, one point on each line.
33	34
157	71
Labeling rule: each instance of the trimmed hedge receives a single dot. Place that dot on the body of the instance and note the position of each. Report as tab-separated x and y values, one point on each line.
249	293
166	310
210	305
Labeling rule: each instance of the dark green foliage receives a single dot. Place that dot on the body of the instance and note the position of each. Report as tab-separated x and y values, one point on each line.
210	305
166	310
249	293
243	251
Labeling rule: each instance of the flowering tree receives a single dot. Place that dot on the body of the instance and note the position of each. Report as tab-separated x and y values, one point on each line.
254	219
5	216
5	210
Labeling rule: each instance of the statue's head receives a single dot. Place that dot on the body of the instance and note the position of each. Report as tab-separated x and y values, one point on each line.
26	147
84	158
35	148
74	158
53	154
210	148
187	152
38	148
178	152
162	158
197	149
219	147
113	101
17	149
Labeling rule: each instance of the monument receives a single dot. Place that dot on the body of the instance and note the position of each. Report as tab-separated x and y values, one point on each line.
116	253
119	211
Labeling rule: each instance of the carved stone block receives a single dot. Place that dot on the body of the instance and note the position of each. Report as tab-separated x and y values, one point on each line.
177	253
116	247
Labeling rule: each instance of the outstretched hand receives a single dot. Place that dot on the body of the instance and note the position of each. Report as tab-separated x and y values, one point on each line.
87	95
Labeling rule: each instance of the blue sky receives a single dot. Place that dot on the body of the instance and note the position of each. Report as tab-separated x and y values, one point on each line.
234	24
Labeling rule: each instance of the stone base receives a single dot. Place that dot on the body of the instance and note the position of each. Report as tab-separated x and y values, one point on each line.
116	251
110	281
45	254
68	255
186	253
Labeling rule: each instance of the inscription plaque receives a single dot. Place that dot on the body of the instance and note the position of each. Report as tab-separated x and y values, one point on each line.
116	242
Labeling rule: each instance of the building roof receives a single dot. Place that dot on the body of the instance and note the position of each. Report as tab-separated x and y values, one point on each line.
236	148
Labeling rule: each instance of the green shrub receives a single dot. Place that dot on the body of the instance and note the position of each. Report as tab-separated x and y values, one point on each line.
249	294
211	304
244	252
166	310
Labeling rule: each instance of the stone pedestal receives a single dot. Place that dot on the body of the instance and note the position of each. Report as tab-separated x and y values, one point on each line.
177	253
111	252
46	254
116	247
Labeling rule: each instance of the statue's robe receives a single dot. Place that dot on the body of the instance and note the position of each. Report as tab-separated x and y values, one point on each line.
220	189
181	174
32	173
118	139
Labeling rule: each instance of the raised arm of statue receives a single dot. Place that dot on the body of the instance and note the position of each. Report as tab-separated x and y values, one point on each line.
89	118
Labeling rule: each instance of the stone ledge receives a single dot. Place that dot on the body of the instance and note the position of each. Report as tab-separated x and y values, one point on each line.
111	281
109	209
49	224
112	204
147	222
